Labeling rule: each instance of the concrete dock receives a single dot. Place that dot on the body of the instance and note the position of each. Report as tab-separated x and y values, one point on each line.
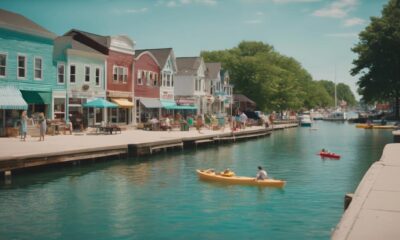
374	212
16	154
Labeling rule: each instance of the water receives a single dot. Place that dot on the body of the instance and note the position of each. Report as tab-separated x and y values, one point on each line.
160	197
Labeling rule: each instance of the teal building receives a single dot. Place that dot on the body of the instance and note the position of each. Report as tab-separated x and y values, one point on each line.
26	64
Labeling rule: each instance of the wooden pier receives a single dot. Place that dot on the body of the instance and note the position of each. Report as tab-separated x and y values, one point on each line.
120	146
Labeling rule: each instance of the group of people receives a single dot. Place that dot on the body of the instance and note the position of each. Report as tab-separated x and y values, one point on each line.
42	124
261	174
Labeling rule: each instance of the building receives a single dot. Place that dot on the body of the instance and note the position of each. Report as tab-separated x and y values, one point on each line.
82	69
166	59
120	51
190	83
26	66
147	86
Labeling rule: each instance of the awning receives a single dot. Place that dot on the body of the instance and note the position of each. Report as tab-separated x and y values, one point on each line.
11	98
34	97
168	103
151	102
100	103
182	107
122	102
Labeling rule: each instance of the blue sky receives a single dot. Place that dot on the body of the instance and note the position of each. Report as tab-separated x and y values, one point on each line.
318	33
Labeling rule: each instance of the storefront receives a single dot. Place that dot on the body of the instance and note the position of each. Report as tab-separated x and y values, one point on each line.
38	102
147	108
59	105
11	106
122	114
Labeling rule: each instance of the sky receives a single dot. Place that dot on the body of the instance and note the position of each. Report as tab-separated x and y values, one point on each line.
317	33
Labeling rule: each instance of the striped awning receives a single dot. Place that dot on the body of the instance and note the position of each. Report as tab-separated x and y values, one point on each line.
168	103
122	102
11	98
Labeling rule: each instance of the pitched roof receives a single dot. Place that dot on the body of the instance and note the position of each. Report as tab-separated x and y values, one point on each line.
213	70
100	39
188	65
17	22
242	98
76	45
161	54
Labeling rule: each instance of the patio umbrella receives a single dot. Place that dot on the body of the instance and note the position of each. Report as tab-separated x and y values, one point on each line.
100	103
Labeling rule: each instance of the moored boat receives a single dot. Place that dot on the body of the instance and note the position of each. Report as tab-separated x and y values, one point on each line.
305	121
212	176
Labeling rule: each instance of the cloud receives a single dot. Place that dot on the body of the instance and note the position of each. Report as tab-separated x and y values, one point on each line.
337	9
131	10
353	22
342	35
178	3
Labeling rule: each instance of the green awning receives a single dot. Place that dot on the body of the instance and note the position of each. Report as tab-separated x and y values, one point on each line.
11	98
34	97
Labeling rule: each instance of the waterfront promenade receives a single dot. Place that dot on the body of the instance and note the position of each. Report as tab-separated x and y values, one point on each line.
374	212
81	146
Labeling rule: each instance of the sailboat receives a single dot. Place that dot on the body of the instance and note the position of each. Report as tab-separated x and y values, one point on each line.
337	114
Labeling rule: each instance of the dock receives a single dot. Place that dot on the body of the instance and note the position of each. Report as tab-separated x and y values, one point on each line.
374	210
16	154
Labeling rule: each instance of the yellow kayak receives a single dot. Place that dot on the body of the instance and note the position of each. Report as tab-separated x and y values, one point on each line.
212	176
370	126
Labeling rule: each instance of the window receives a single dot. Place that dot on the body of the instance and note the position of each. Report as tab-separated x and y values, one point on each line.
60	73
87	74
172	80
120	74
38	68
21	66
148	78
168	80
139	78
72	73
115	74
155	81
125	80
3	64
97	77
163	80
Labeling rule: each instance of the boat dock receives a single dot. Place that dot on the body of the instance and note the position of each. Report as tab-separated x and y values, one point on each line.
374	211
16	154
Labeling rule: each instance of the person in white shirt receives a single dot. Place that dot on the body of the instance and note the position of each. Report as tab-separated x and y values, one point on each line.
261	174
243	120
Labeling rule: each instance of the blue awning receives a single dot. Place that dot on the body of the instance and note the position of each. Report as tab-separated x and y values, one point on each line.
100	103
168	103
11	98
182	107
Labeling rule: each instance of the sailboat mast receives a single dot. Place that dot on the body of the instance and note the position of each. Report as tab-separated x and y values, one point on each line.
334	82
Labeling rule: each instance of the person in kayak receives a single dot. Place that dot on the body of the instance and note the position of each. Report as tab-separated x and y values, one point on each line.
261	174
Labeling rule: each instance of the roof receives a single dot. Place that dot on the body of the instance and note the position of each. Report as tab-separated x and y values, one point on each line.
213	70
242	98
161	54
100	39
17	22
188	65
76	45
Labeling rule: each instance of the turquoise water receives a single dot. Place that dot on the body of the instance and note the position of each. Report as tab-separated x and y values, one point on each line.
160	197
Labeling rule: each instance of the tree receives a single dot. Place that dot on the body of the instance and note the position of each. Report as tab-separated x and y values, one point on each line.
378	60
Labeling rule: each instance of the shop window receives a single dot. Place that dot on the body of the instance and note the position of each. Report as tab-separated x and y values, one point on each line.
59	108
122	115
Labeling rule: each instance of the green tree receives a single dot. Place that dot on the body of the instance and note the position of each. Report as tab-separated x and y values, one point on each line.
378	57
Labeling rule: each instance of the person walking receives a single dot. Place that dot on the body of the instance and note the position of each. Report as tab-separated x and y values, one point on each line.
24	125
199	123
42	126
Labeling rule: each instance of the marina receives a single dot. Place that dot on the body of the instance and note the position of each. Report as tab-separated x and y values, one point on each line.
131	196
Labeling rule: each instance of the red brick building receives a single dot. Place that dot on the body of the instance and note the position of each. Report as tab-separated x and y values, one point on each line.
147	86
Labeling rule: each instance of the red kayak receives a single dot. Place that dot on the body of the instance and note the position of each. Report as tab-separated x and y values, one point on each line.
329	155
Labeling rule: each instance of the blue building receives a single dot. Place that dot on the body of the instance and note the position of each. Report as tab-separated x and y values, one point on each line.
26	64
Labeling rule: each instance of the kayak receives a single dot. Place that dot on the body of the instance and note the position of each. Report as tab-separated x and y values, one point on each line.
370	126
212	176
329	155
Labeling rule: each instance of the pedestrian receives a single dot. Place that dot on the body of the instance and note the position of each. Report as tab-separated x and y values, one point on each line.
23	125
42	126
199	123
